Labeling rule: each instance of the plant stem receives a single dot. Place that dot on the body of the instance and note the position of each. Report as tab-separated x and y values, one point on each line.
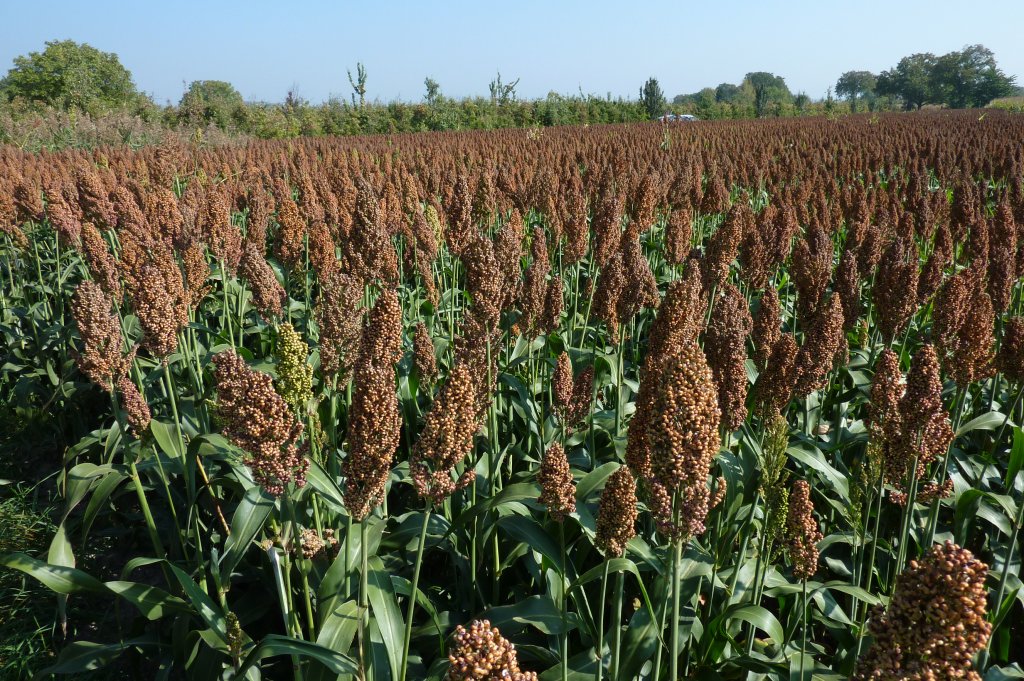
412	593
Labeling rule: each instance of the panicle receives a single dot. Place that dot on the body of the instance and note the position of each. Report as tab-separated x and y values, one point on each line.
886	391
895	291
935	622
294	374
935	267
682	433
196	271
134	404
558	489
766	326
924	430
446	439
268	296
423	355
1002	264
102	265
775	384
374	425
724	244
962	327
531	303
161	302
481	653
257	420
810	269
802	531
847	285
678	235
726	348
823	348
610	284
562	383
1010	359
101	358
339	315
617	513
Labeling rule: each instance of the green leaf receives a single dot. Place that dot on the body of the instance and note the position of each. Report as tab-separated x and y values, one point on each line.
988	421
63	580
246	523
206	608
539	612
594	479
529	531
1016	458
638	644
152	602
337	632
84	656
756	616
166	436
385	610
318	479
273	645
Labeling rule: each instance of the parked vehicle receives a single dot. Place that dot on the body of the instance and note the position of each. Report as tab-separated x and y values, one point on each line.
678	118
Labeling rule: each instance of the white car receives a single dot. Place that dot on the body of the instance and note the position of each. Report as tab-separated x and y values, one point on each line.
678	118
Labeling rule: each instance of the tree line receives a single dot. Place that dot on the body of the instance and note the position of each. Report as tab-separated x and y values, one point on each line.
71	77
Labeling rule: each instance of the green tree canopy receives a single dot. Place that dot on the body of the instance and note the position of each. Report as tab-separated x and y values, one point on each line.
854	84
909	80
652	98
70	75
210	101
728	93
768	88
969	78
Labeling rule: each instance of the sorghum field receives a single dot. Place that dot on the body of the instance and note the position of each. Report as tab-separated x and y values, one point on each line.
732	400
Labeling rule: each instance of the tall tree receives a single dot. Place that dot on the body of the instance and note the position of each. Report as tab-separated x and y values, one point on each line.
768	88
854	84
433	91
70	75
210	101
652	98
910	80
969	78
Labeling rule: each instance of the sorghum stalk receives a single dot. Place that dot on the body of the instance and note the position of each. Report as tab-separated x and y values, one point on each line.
412	592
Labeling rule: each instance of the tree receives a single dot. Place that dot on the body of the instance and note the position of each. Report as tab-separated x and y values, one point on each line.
652	98
910	80
433	91
358	84
968	78
728	93
502	93
800	101
854	84
210	101
70	75
767	88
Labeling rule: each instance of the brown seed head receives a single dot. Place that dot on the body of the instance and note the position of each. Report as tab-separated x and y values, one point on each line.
558	489
935	622
481	653
802	531
617	513
257	420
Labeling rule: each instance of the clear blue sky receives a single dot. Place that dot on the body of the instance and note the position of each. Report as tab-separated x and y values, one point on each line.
601	46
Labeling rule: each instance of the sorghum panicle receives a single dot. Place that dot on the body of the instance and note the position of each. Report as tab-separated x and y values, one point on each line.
935	622
558	489
617	513
258	421
802	531
481	653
